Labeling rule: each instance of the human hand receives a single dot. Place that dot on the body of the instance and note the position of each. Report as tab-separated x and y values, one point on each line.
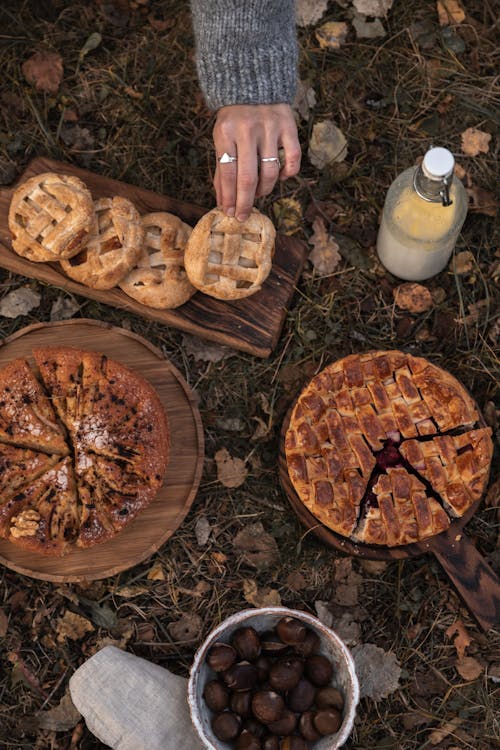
252	132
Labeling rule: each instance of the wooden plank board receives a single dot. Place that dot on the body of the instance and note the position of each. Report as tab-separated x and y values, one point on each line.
251	325
156	523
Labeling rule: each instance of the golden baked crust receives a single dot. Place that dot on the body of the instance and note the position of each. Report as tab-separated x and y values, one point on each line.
50	217
159	280
27	419
383	447
113	246
116	432
229	259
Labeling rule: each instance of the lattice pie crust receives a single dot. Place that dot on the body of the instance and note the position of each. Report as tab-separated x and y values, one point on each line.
113	247
228	259
50	217
159	280
385	447
82	450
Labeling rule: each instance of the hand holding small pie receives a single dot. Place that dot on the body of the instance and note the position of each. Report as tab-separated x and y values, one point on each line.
253	133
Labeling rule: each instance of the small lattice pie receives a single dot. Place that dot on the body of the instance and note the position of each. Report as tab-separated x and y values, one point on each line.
50	217
113	247
79	482
385	448
229	259
159	280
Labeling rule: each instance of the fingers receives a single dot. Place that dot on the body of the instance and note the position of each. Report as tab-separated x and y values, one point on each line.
247	132
225	180
291	146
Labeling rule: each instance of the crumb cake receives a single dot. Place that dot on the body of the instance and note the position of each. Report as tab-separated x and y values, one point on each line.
386	448
84	446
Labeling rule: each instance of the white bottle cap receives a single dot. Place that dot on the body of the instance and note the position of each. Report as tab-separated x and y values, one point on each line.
438	163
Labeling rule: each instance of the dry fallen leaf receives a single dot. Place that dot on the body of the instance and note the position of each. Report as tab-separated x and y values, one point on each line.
450	11
328	144
323	613
325	255
187	629
378	671
347	628
4	623
439	734
482	201
414	298
264	597
463	262
72	626
128	592
231	472
63	308
368	29
19	302
156	572
308	12
469	668
257	547
462	639
346	583
204	351
375	8
202	530
62	717
305	100
44	71
475	141
332	35
288	215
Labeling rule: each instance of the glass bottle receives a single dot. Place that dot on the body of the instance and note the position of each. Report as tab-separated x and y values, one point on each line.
423	213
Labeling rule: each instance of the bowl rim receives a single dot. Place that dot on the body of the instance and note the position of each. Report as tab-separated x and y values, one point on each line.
238	618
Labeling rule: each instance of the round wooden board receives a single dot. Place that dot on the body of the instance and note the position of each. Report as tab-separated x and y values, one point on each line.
368	551
156	523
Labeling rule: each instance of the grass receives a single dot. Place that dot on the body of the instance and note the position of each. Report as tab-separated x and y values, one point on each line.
141	119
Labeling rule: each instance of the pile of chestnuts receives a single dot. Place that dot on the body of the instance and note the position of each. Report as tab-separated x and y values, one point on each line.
272	690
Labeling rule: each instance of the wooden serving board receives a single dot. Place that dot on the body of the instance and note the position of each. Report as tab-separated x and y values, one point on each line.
471	575
156	523
251	325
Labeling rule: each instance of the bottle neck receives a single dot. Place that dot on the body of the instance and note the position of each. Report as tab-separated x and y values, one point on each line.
433	191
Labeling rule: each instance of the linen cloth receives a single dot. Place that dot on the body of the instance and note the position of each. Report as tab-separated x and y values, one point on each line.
131	704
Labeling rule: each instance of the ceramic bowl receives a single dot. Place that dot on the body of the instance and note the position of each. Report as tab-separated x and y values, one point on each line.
261	620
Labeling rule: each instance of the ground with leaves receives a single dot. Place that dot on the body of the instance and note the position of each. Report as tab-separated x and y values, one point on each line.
110	85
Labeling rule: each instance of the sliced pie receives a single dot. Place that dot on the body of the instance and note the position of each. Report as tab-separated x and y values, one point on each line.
27	418
384	447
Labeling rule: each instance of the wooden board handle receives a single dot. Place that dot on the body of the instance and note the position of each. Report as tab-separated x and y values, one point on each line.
471	575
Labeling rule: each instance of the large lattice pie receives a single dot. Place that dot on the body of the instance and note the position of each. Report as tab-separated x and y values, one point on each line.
84	446
229	259
386	448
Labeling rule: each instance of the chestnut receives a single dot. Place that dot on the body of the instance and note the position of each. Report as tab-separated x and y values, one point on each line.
285	724
241	704
293	742
310	645
263	665
329	697
285	674
301	697
271	742
216	696
247	643
267	706
226	726
241	676
272	645
255	727
327	720
319	669
307	728
291	631
247	741
221	656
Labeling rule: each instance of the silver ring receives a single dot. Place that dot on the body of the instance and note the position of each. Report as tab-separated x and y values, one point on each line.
227	158
271	158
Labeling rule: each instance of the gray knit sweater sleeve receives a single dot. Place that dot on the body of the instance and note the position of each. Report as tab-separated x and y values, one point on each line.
246	51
